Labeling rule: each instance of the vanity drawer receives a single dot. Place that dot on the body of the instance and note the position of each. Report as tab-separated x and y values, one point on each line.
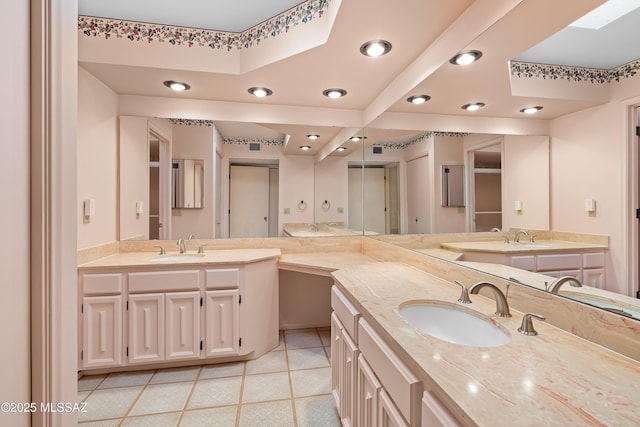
346	312
559	262
222	278
404	388
162	281
102	284
593	260
524	262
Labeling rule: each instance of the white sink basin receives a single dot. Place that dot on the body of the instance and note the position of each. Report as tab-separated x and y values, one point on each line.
452	324
176	258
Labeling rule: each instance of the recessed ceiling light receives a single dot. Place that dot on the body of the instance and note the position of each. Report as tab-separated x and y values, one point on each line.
260	92
305	147
334	93
313	137
473	107
357	138
466	58
418	99
341	148
531	110
177	86
375	48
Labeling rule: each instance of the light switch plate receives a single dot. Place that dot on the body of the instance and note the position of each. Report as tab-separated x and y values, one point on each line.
287	211
340	210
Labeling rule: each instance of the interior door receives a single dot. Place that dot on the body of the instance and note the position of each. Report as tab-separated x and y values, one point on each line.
419	217
248	201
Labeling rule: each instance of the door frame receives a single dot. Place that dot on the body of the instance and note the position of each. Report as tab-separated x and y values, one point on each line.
469	171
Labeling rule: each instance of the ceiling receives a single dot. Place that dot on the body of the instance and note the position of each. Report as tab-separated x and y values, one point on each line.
424	34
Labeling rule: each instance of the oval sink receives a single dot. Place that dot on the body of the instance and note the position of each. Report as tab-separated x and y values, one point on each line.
450	323
176	258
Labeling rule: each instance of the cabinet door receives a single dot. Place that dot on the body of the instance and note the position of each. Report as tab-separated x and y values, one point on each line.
102	326
222	323
348	374
388	414
336	357
593	277
182	323
368	388
146	328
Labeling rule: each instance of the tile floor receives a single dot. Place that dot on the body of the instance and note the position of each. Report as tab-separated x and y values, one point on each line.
290	386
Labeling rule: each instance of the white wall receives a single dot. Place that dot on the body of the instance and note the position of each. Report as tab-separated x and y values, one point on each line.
15	366
296	185
97	160
525	177
331	185
587	161
195	142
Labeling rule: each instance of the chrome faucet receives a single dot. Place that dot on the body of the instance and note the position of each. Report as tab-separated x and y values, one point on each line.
182	246
516	239
555	285
314	227
502	307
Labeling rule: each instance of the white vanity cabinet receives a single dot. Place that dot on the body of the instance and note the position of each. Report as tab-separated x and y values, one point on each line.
134	315
371	385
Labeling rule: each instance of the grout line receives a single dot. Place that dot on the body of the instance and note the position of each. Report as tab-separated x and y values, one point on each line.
135	401
186	402
293	405
238	410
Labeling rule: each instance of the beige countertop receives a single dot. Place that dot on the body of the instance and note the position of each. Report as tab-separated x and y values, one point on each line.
323	261
148	259
498	246
554	378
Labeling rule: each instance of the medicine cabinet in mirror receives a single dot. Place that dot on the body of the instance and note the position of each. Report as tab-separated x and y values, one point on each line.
187	183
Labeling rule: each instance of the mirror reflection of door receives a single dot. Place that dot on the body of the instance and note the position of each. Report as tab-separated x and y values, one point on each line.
367	210
158	187
487	188
418	195
249	201
218	194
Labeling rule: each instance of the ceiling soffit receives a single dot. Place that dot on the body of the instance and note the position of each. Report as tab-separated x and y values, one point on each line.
228	52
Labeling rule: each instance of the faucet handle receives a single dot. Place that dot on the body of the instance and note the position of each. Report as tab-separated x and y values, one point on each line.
201	248
532	239
506	239
162	251
464	294
527	324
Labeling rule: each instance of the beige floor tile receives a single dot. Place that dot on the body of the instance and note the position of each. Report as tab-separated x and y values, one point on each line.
104	423
267	414
216	392
263	387
82	395
274	361
281	344
109	403
307	358
174	375
302	338
157	420
126	379
222	370
311	382
90	382
224	416
318	411
158	398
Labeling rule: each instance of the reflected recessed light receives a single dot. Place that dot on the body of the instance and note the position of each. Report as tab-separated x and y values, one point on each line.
375	48
418	99
305	147
177	86
313	137
531	110
334	93
341	148
473	107
357	138
260	92
466	58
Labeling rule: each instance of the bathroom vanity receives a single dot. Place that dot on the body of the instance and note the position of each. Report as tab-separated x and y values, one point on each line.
142	309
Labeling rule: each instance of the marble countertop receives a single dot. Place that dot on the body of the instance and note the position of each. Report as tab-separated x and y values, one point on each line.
554	378
327	261
498	246
147	259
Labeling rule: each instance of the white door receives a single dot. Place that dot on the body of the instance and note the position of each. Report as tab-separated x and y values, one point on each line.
248	201
419	217
374	197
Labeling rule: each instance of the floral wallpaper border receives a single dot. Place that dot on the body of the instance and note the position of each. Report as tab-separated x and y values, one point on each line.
416	139
182	36
273	142
191	122
577	74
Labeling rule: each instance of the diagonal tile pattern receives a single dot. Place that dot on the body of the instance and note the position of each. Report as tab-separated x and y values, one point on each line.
290	386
